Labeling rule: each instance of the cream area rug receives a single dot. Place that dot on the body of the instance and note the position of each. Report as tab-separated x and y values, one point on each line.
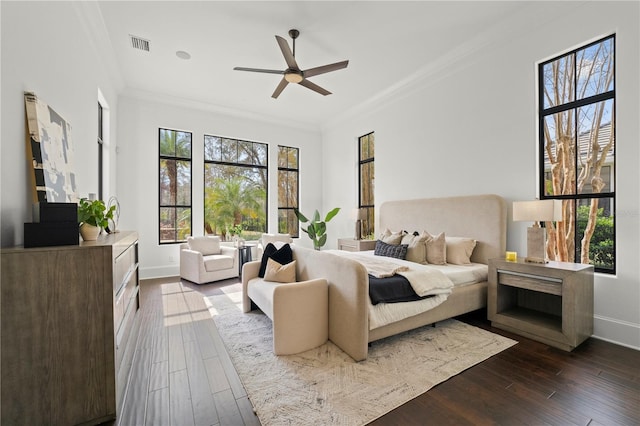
324	386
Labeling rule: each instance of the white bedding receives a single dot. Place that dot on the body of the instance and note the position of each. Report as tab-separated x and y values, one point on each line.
387	313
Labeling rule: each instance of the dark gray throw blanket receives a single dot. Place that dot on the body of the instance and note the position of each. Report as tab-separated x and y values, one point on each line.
392	289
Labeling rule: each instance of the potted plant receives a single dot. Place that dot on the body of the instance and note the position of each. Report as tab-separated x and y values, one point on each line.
316	230
235	232
93	216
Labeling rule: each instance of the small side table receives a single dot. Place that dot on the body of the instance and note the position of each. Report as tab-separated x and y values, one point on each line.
245	255
349	244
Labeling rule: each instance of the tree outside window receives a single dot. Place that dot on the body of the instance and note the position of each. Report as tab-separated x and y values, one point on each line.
577	152
288	172
366	149
235	187
175	185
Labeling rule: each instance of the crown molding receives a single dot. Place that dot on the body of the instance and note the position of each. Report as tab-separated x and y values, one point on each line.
90	17
145	95
508	29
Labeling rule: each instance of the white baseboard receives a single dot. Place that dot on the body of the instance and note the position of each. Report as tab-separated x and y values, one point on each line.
159	272
613	330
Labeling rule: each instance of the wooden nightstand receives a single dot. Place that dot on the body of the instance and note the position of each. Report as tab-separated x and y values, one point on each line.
349	244
551	303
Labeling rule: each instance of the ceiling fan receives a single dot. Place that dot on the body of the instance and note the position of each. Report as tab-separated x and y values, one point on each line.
293	74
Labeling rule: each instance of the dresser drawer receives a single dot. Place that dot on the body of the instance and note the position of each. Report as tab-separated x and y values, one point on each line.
124	298
123	265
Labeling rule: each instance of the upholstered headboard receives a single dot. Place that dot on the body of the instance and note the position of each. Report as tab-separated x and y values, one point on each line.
482	217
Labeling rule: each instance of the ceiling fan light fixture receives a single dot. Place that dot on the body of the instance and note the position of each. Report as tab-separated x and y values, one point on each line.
293	77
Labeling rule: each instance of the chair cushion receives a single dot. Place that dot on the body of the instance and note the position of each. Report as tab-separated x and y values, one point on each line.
206	244
216	262
283	255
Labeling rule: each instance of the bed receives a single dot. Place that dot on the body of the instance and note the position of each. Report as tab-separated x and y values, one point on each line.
481	217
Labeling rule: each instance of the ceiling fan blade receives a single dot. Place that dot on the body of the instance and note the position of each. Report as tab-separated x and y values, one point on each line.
280	88
258	70
324	69
286	51
309	85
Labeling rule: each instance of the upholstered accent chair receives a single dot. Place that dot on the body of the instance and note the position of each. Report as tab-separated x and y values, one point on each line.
272	238
203	259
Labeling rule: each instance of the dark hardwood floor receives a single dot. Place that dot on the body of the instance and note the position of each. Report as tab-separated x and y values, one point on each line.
182	375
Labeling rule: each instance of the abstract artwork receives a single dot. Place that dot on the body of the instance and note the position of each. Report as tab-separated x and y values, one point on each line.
50	153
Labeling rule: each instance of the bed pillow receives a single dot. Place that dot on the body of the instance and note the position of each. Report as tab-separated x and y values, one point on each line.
206	245
459	250
390	237
280	273
436	248
283	255
417	248
389	250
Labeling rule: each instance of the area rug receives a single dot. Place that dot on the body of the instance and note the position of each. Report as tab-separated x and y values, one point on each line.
324	386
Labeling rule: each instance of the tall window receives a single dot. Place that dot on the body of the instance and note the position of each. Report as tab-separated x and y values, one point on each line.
288	168
175	185
100	154
577	152
366	145
235	187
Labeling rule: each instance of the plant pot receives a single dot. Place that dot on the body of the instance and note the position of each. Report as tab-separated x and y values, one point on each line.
89	232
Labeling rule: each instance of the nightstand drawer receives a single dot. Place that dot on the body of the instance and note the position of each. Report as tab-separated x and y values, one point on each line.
531	282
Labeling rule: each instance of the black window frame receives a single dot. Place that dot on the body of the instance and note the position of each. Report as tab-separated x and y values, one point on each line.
289	209
368	224
176	206
100	151
573	106
237	164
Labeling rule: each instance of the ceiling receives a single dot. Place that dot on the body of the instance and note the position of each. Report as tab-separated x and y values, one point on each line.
387	44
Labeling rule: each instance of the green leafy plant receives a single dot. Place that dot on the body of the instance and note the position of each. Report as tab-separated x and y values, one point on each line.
316	230
94	212
236	229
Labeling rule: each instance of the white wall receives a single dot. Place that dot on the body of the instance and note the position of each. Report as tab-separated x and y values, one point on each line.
465	125
140	118
46	49
468	126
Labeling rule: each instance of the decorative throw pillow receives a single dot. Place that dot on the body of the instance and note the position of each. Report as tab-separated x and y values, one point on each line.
390	250
206	245
436	248
417	248
459	250
283	255
280	273
390	237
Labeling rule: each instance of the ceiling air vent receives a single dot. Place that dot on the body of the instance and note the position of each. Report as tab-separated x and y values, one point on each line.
139	43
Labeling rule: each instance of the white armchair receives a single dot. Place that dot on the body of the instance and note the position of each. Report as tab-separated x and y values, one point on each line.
204	259
271	238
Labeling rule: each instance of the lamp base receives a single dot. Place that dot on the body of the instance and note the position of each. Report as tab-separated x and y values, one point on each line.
536	245
358	234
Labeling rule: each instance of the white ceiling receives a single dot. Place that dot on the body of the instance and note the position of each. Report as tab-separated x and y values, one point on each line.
387	44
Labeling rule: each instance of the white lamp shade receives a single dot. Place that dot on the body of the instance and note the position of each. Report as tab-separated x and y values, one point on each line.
537	210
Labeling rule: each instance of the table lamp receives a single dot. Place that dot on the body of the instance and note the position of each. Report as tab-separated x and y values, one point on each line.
537	211
360	216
